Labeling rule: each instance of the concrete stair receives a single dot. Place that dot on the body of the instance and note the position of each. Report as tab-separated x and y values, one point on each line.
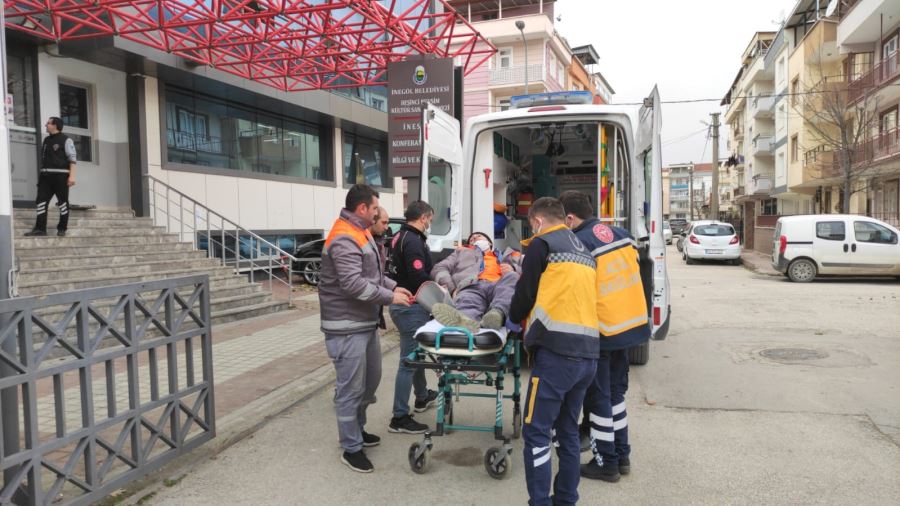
105	247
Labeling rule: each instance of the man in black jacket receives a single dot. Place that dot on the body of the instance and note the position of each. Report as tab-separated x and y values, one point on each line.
57	175
411	262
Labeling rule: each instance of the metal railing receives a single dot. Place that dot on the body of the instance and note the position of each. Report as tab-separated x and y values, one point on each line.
224	238
516	75
886	71
133	391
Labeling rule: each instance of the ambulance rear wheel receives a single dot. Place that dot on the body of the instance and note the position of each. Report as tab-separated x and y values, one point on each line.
497	463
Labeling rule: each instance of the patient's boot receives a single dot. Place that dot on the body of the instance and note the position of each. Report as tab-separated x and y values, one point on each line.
493	319
449	316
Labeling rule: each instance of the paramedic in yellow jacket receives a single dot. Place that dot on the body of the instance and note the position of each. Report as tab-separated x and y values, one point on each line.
623	323
557	294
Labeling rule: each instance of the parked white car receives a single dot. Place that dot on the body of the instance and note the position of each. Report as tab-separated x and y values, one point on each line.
712	240
808	246
667	232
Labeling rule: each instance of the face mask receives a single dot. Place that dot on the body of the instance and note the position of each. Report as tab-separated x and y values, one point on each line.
482	244
537	230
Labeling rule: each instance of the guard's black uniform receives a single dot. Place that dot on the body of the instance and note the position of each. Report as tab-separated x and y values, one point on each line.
53	180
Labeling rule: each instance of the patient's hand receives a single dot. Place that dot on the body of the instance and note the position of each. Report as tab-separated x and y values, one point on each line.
506	268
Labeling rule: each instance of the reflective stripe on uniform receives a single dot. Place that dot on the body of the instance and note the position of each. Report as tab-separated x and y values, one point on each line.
554	326
339	325
55	171
609	329
613	245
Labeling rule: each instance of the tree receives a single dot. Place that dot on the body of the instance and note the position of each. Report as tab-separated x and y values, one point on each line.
840	123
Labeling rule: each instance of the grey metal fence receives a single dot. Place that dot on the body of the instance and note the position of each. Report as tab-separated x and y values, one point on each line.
133	391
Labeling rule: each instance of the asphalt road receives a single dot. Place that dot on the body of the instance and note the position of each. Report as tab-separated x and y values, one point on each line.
765	392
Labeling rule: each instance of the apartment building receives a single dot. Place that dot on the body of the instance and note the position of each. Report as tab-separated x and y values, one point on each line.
684	179
537	55
868	39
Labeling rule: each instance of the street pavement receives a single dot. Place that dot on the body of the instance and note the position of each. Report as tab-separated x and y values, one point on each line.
765	391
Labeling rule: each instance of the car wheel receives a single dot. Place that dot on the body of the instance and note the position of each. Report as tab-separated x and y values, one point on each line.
680	244
802	270
688	260
311	272
639	355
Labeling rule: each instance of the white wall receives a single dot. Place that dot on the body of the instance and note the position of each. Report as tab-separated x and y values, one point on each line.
257	204
105	183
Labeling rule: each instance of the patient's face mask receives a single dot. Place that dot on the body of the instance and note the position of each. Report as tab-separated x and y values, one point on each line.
482	244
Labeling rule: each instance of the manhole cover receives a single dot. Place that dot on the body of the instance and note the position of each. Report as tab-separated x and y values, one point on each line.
792	354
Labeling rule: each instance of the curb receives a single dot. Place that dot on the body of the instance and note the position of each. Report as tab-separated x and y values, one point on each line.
750	266
236	426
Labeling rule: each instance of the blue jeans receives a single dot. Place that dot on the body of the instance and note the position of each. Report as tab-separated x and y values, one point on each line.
408	320
605	404
555	394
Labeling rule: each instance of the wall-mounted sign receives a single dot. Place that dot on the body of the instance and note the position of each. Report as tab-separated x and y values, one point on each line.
411	84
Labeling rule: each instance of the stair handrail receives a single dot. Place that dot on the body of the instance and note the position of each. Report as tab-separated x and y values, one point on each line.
233	227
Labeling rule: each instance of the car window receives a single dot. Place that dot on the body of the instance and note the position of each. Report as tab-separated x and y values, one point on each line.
713	230
866	231
666	225
830	230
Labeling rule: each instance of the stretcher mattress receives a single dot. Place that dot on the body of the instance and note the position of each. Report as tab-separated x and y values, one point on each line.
457	343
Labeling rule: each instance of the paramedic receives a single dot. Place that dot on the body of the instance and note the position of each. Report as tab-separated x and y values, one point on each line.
623	323
351	289
557	294
411	264
482	279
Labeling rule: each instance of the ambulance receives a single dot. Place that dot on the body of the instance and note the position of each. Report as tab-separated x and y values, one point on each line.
542	146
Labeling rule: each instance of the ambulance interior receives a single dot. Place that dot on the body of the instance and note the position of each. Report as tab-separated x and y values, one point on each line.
544	160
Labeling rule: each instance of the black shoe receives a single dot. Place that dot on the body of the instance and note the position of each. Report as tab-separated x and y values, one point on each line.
624	465
407	425
60	233
593	471
428	402
358	462
36	233
370	439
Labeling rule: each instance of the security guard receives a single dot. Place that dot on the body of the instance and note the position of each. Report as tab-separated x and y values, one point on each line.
57	175
623	323
558	295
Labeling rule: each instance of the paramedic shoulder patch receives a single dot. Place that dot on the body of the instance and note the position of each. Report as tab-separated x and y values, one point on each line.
604	233
417	264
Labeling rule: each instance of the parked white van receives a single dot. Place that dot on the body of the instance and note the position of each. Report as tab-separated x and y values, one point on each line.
546	144
834	244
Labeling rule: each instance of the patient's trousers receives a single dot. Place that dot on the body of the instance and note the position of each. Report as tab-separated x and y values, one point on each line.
482	296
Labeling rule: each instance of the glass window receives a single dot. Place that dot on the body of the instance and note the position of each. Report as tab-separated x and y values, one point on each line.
714	230
205	131
20	84
75	112
504	57
440	182
365	161
866	231
830	230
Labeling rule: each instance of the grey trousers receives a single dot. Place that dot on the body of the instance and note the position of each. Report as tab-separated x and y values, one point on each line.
357	364
482	296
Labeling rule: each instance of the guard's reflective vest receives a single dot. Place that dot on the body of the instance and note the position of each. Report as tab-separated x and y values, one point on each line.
564	316
621	306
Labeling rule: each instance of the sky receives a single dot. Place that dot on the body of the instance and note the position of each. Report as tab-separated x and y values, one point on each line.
690	49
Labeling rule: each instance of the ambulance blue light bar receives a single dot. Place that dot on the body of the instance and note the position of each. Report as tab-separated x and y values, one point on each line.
554	98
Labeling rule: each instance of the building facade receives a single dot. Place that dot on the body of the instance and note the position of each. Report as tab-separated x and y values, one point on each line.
689	190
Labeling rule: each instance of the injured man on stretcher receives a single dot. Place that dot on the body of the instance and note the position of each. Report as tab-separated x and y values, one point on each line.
481	280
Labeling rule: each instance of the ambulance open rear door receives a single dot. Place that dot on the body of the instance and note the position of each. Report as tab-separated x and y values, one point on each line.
649	159
441	182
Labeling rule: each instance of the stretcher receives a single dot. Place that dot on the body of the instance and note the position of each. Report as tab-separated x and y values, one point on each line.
461	359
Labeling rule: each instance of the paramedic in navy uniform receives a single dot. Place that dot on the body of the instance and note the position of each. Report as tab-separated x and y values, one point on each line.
557	293
57	175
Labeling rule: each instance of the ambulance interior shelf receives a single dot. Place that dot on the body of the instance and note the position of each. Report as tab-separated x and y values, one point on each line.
556	157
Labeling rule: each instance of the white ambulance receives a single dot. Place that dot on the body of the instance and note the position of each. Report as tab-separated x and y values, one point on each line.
543	145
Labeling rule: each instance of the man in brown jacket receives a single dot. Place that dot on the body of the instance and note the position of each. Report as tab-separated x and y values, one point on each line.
351	291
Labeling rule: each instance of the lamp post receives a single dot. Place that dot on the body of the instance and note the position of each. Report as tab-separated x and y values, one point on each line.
521	26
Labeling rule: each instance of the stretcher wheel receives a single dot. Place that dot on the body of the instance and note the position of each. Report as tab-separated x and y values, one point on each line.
517	424
497	462
419	464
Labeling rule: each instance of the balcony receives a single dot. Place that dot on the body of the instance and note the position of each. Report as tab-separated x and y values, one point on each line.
738	191
870	82
763	107
515	76
763	145
762	185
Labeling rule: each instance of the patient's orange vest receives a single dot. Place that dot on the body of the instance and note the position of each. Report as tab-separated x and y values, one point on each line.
491	271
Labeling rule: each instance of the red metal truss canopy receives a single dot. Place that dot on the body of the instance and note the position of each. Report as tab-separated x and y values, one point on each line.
292	45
